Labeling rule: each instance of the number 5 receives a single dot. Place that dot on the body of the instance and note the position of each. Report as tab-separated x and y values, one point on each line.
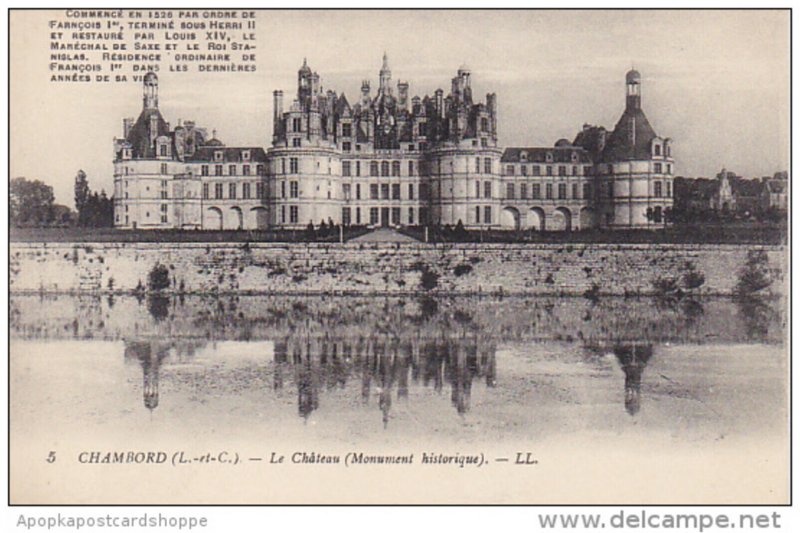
52	457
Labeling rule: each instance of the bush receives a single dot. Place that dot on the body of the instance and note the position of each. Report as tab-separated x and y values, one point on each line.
158	278
754	276
462	270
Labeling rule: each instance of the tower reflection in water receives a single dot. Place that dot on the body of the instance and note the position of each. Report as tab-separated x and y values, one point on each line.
385	366
633	359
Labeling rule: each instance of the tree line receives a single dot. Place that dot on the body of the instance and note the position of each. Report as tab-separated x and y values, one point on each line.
32	204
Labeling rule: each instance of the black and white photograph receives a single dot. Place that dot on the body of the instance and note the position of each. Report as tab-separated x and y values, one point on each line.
428	257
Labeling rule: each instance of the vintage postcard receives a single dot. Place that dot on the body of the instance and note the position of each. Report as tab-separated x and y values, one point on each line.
399	256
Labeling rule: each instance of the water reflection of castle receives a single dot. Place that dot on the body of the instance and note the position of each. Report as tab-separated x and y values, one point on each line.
383	364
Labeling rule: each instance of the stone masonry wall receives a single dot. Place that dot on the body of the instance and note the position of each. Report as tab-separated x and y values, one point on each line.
385	268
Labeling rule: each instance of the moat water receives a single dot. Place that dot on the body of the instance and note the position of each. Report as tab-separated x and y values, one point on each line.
255	375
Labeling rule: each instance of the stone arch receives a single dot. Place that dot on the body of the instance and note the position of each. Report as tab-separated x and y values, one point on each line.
562	219
536	219
587	218
259	217
213	218
235	218
509	218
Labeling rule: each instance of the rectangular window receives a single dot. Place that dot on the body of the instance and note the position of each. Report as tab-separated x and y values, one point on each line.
373	191
384	168
283	189
296	124
574	170
396	192
358	215
384	191
218	170
524	170
347	130
536	191
246	191
346	146
204	170
163	194
657	189
245	170
260	170
487	165
411	215
294	189
163	168
293	165
523	190
358	168
658	149
509	170
373	215
395	168
657	168
218	191
260	190
549	170
537	170
395	215
346	216
358	191
669	168
346	191
477	214
373	168
205	191
574	190
487	214
562	191
293	214
477	165
487	189
283	214
346	168
163	150
410	191
410	168
562	170
231	190
587	190
669	189
510	191
231	170
549	191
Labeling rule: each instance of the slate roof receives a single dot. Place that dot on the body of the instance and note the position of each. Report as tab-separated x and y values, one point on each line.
139	135
631	137
539	155
230	154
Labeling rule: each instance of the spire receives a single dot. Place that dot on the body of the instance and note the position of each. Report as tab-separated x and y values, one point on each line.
385	77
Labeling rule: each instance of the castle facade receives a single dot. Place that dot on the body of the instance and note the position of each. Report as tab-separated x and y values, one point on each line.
389	159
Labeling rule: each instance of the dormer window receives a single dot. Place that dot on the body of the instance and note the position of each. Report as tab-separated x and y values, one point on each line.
218	155
126	153
523	156
246	155
574	157
657	149
549	157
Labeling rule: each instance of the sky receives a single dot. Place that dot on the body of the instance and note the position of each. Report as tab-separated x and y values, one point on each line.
716	82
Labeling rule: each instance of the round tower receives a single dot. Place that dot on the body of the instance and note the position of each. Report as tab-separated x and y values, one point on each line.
150	89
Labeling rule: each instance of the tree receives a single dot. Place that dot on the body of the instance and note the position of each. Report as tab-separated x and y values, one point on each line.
82	194
30	202
94	210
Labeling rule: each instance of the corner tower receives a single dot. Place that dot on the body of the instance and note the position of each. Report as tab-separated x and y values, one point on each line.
636	168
